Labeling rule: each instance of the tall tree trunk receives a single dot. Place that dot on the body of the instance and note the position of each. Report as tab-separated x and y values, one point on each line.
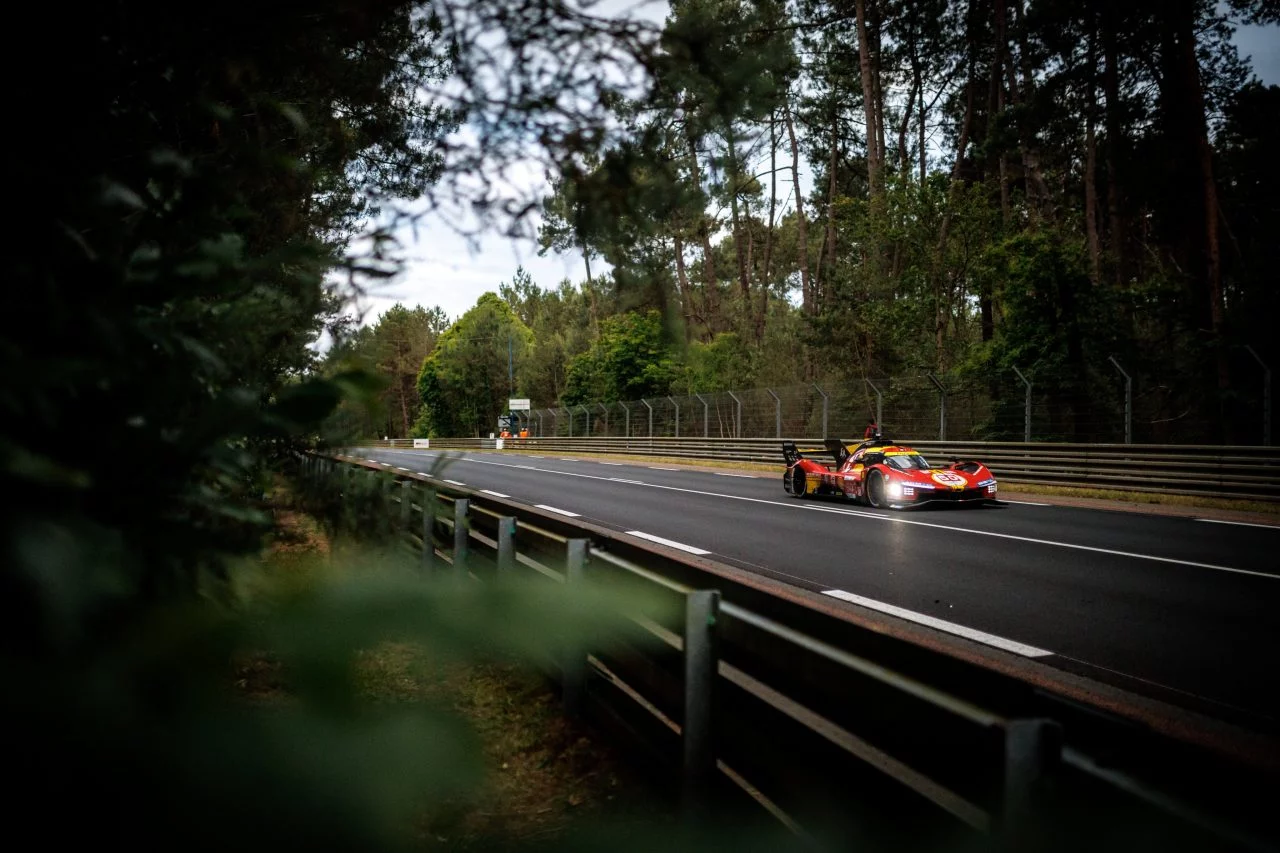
802	228
875	179
1037	188
1091	154
711	298
1182	94
1118	236
829	240
962	144
740	250
767	278
686	292
996	107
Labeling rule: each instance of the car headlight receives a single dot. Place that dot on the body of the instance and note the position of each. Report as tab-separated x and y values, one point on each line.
895	490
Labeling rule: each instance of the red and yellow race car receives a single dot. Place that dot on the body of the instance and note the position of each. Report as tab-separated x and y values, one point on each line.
881	473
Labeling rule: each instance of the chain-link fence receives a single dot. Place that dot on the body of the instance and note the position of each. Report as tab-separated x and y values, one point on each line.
1092	405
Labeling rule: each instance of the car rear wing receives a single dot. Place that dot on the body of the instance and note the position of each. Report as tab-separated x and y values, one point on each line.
790	454
838	449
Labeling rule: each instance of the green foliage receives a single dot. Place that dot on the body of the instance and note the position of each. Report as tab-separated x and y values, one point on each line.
464	383
630	359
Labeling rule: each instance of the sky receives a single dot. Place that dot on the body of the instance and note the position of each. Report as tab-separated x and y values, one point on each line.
444	270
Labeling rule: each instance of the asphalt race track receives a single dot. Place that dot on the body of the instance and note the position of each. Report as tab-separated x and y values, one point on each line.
1180	609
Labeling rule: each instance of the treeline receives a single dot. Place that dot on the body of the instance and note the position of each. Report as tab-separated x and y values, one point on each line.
833	190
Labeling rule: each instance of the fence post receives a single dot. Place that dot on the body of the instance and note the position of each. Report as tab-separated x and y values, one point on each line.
942	407
826	408
587	416
605	409
1032	749
1266	396
540	432
1128	401
570	411
777	413
406	502
700	675
555	423
706	416
506	543
627	425
737	421
573	670
879	404
461	524
676	405
1026	423
428	531
650	408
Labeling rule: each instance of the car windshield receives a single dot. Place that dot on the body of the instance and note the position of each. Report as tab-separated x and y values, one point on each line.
908	462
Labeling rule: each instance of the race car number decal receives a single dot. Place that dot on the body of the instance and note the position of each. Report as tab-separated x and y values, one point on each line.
947	478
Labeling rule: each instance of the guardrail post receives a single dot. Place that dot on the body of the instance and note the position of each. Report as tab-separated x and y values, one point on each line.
573	668
461	524
1026	421
737	421
777	413
1266	396
506	543
1032	749
428	556
700	674
942	407
1128	400
650	408
673	402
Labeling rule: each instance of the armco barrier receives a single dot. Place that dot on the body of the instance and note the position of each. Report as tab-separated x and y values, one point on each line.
1227	472
753	692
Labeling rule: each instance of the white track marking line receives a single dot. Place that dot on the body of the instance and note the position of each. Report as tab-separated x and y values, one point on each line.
1238	523
900	520
656	468
619	464
495	494
632	482
425	473
1052	542
455	482
401	468
557	509
567	459
1024	503
669	543
744	476
941	624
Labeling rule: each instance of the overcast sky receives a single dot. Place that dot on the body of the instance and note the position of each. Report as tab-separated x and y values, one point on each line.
443	270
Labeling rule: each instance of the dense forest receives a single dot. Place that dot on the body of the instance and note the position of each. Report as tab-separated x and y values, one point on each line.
833	191
763	193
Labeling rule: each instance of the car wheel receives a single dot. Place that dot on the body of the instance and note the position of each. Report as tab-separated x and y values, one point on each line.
799	482
875	490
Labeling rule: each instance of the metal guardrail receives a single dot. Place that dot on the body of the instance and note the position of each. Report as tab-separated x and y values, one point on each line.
751	691
1225	472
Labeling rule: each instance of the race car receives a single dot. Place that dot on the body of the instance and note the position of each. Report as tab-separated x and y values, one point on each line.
881	473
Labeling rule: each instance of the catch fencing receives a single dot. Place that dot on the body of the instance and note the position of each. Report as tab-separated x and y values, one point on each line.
1014	405
1251	473
842	723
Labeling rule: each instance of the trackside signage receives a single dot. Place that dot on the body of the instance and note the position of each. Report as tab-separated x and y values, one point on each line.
419	443
518	404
